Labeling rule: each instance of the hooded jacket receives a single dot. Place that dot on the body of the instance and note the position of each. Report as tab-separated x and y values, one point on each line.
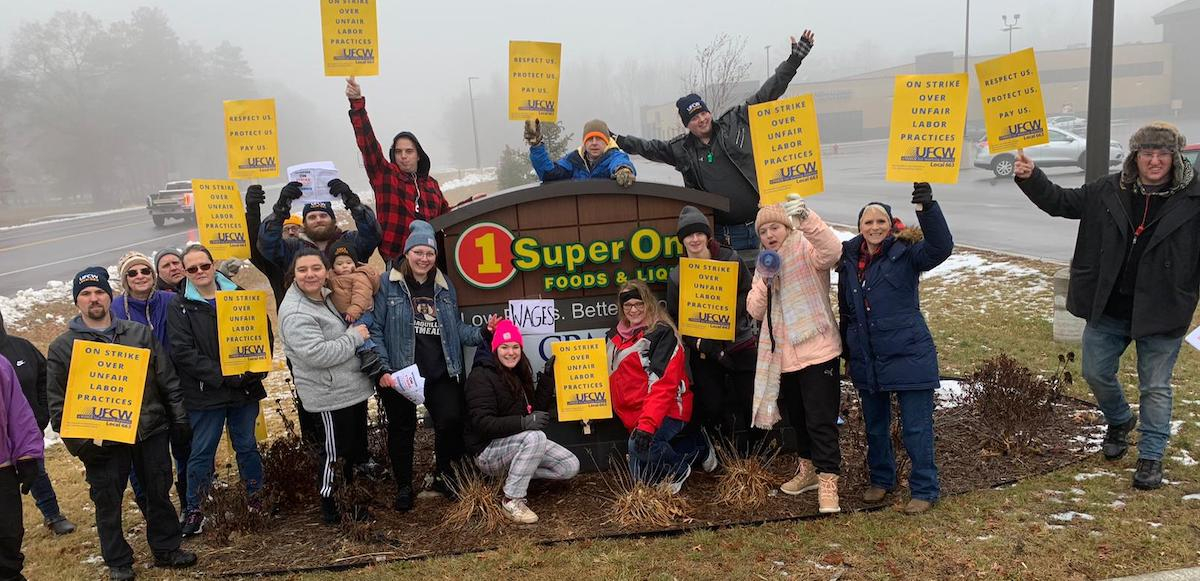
494	410
648	378
162	398
196	352
744	328
575	165
321	347
20	437
400	197
30	367
151	312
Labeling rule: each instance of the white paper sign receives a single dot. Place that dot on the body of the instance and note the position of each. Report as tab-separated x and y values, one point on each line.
314	179
533	316
410	384
1193	338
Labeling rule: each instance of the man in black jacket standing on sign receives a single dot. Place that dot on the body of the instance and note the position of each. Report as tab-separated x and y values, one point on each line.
716	155
1134	278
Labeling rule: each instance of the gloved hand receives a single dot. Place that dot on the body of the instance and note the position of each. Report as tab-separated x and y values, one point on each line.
287	195
181	435
796	208
339	189
533	132
922	194
624	177
27	471
801	48
89	451
535	421
255	196
641	440
710	349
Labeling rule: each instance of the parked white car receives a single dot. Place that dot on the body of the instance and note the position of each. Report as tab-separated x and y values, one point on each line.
1065	149
1069	123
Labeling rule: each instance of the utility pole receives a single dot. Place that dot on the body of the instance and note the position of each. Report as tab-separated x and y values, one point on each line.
967	38
1010	27
1099	113
474	128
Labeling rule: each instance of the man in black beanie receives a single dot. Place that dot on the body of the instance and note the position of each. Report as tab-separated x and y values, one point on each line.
716	155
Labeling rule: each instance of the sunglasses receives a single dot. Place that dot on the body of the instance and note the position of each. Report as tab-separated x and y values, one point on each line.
144	271
198	267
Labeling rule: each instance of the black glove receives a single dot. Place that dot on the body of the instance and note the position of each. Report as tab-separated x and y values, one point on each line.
338	188
535	421
641	440
27	471
289	193
922	194
801	48
181	436
710	348
89	451
255	196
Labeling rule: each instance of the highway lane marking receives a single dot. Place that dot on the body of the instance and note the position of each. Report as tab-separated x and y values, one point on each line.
88	233
114	249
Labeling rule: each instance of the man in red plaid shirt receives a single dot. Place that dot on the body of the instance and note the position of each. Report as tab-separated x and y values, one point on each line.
404	190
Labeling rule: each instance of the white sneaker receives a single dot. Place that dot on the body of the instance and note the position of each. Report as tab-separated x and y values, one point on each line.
676	486
710	461
518	511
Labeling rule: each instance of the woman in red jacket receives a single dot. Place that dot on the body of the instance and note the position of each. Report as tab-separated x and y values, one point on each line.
649	386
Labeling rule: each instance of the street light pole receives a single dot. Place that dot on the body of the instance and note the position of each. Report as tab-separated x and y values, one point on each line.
474	129
967	38
1010	27
768	47
1099	113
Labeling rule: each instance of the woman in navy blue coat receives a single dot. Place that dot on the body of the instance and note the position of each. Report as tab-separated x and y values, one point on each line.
887	342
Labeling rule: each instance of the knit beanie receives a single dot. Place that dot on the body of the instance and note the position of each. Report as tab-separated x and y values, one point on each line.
692	220
420	233
595	128
158	256
506	332
294	220
133	258
96	276
897	225
769	214
326	207
342	247
689	106
1156	135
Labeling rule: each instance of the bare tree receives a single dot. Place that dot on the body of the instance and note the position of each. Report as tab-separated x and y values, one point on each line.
717	70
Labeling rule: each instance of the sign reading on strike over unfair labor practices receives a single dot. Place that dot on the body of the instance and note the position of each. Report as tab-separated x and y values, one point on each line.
220	219
787	148
581	380
251	139
242	332
104	391
533	71
1012	102
350	37
929	113
707	298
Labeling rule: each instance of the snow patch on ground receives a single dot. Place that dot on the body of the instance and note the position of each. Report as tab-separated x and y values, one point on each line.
1175	425
68	218
1192	497
50	437
948	393
968	263
1071	515
1090	475
1184	458
17	307
471	179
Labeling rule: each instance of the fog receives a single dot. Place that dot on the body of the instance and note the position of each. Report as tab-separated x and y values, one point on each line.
618	56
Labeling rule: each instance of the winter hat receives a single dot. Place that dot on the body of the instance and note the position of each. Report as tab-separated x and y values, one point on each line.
897	225
689	106
1156	135
96	276
769	214
420	233
506	332
294	220
326	207
158	256
130	259
692	220
342	247
595	128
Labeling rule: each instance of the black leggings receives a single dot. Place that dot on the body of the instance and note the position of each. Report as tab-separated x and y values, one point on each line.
447	410
812	399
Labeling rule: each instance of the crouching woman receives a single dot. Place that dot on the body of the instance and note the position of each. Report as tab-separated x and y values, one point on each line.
506	416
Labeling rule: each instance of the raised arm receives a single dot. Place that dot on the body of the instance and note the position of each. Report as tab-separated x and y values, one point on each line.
374	160
1052	199
776	85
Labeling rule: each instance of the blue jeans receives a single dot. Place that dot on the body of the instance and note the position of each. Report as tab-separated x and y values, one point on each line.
43	494
1104	340
916	423
207	426
366	320
669	455
737	236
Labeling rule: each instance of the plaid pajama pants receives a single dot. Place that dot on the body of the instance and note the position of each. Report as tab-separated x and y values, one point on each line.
526	455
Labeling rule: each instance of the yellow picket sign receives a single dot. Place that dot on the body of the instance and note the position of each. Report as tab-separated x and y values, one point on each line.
581	380
104	391
929	114
220	219
350	38
1012	102
533	72
787	148
251	139
242	331
707	298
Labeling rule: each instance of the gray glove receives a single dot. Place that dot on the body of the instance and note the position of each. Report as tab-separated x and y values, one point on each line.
796	208
533	132
535	421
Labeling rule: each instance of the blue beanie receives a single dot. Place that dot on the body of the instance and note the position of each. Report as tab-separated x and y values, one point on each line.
689	106
91	276
326	207
420	233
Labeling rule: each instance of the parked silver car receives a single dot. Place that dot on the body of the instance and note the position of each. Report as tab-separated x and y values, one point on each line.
1065	149
1068	123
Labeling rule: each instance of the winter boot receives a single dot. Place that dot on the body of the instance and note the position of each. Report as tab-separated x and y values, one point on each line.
176	559
804	481
1149	474
917	506
874	494
329	511
1116	439
827	494
404	500
60	525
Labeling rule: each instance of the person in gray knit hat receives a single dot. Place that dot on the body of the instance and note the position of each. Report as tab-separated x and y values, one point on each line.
1134	278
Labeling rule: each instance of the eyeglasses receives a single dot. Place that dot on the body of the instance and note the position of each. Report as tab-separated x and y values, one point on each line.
423	253
144	271
634	306
198	267
1155	154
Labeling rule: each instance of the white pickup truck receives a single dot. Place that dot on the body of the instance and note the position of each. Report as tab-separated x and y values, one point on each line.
173	201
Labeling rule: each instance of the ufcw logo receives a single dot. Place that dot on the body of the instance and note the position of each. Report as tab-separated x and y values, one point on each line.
110	415
796	173
1022	129
236	238
710	319
89	278
258	163
594	397
248	352
928	153
538	106
358	55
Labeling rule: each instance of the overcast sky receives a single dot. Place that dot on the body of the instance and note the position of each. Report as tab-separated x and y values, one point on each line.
428	49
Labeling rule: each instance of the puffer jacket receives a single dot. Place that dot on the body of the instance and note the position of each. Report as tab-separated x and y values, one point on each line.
321	347
354	293
162	399
648	378
575	165
744	329
888	343
20	437
493	409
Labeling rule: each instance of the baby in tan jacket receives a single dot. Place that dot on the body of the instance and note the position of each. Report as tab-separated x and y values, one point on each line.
354	286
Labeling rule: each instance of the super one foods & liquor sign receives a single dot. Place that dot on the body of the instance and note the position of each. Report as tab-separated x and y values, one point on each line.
574	242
